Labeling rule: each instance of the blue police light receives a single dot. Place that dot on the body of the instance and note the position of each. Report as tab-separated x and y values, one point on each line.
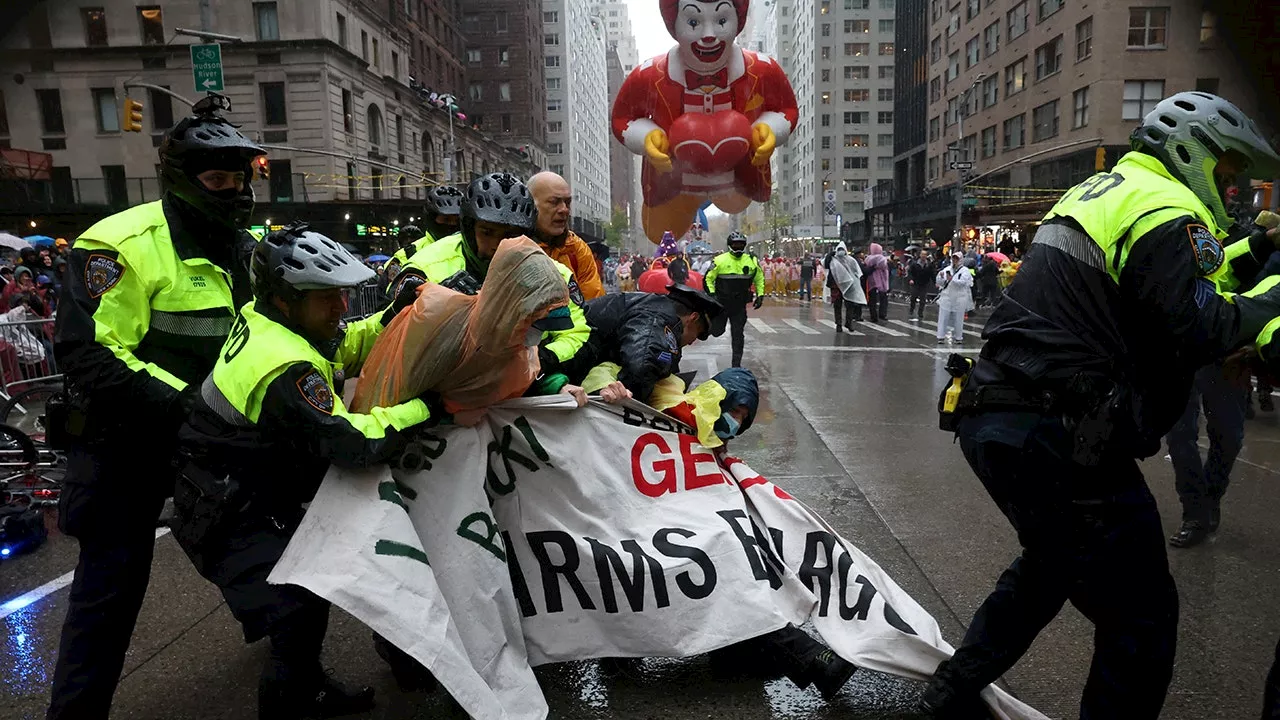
5	551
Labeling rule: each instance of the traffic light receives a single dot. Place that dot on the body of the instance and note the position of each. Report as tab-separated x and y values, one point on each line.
262	167
1100	159
131	116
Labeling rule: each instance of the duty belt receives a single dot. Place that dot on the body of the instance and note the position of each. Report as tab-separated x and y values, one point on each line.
1008	398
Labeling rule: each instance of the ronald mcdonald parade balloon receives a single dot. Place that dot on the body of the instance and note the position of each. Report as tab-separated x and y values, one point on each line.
706	117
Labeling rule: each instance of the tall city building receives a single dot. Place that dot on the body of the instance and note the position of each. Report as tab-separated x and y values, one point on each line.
839	55
506	73
1038	86
618	28
328	89
578	138
624	166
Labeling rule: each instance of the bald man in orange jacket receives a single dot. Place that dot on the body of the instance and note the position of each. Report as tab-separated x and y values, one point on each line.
554	199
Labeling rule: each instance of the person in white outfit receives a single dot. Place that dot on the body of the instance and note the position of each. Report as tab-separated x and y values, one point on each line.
955	298
846	287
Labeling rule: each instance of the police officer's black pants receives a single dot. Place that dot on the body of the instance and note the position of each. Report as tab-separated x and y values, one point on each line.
1201	485
737	326
115	521
1271	691
806	286
1090	536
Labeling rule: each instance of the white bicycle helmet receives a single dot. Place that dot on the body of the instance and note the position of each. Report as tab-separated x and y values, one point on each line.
295	259
1190	131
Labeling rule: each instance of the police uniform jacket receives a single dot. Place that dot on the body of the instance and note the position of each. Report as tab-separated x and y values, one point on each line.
637	331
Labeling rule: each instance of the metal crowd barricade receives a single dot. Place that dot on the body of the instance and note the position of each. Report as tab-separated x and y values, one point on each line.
26	355
365	300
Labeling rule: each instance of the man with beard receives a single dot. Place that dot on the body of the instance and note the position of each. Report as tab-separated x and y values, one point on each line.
553	198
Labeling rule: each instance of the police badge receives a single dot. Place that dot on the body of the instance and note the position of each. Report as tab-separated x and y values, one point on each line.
316	392
1207	249
101	273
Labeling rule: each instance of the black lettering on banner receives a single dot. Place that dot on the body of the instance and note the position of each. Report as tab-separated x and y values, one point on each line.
518	584
508	454
818	577
538	542
892	617
764	565
484	539
656	421
609	564
694	591
776	534
867	592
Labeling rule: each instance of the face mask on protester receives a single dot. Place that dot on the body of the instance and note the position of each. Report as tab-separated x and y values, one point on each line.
733	425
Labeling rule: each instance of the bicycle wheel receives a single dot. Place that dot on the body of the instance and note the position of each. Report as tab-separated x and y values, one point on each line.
25	410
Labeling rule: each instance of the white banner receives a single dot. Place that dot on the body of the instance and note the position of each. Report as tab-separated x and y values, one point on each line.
550	533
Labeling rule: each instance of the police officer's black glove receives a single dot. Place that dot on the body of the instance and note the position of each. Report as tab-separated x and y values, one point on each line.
435	405
405	296
758	302
463	282
183	403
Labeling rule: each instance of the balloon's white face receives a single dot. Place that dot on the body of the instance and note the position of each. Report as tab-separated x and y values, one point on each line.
705	31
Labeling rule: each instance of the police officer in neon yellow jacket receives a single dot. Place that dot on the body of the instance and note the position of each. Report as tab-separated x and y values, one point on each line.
496	207
268	423
1124	294
732	278
149	295
441	220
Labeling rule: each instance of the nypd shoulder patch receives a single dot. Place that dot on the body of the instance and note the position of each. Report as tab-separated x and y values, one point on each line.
1208	250
315	390
575	292
101	273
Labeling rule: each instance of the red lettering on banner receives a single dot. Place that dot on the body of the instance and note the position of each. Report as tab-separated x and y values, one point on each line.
665	466
692	478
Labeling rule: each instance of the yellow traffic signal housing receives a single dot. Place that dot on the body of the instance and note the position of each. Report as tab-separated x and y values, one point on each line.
262	166
1100	159
131	116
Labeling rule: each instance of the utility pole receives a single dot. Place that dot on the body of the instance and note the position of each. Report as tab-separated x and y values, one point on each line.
962	105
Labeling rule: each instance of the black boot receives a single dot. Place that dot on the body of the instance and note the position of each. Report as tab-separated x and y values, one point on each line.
281	697
1192	533
941	701
806	661
1215	519
410	675
829	673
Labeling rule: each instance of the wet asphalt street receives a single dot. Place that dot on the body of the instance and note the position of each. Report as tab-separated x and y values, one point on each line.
848	424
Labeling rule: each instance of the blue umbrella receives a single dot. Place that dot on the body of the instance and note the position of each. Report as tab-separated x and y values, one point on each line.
39	240
378	258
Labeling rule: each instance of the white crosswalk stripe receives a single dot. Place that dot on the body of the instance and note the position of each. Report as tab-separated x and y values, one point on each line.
760	326
802	327
918	327
885	330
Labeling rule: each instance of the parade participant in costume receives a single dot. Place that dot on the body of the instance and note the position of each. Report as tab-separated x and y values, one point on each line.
706	116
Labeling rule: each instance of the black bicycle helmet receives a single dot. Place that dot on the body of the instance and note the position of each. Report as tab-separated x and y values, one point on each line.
499	198
444	200
737	238
408	235
295	259
207	141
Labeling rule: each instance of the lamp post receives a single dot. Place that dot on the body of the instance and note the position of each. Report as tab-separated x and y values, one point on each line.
822	206
960	112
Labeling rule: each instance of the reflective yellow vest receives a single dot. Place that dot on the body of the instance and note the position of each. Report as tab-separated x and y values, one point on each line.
744	266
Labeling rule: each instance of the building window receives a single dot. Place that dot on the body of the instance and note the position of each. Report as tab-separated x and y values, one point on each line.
857	26
885	72
376	54
935	90
855	163
1049	58
884	140
884	94
853	185
857	49
1208	27
281	182
475	91
375	181
554	126
1084	39
348	119
885	117
935	129
886	48
108	113
826	120
826	142
857	95
268	23
884	163
504	92
470	24
971	50
826	52
1147	27
506	123
273	106
151	19
500	22
953	110
50	102
342	30
826	164
504	56
857	4
161	107
935	49
886	27
1015	132
1080	100
1015	78
474	56
856	118
851	141
553	61
990	91
826	98
1205	85
553	83
554	104
551	39
95	26
1044	122
991	36
973	7
989	142
953	66
857	72
884	4
364	46
826	75
550	17
933	167
826	29
1140	97
1047	8
1017	19
555	148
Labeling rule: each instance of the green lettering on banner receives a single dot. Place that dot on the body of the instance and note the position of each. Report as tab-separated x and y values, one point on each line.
392	548
395	491
522	424
503	449
485	540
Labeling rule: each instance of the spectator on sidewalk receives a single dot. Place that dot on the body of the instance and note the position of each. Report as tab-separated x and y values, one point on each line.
920	279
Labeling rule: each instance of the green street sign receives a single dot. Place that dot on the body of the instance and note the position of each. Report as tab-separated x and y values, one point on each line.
206	67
